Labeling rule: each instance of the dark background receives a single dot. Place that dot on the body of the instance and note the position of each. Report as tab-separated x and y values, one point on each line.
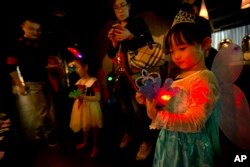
71	22
84	17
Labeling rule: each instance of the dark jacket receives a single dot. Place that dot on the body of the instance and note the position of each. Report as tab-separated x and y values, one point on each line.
31	57
142	36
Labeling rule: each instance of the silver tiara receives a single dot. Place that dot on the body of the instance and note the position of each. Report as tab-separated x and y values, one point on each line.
183	17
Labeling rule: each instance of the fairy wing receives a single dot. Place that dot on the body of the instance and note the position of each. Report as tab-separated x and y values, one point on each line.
234	107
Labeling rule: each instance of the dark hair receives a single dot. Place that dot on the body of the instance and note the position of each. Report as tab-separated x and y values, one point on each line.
111	4
191	33
92	69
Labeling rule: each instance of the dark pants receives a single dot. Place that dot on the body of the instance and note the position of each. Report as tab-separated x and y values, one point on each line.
36	111
133	116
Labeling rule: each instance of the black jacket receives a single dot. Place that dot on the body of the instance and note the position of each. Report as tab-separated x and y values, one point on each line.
138	27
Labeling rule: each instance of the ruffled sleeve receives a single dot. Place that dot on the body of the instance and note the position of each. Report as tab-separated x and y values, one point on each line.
192	107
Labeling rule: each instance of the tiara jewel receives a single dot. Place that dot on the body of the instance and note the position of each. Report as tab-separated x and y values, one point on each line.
183	17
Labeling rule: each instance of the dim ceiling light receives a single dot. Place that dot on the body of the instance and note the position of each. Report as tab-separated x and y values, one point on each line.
203	10
245	4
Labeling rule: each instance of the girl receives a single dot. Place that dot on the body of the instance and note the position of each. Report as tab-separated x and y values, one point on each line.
188	122
86	112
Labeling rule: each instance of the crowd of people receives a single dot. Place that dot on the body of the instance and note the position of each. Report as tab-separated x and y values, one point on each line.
182	132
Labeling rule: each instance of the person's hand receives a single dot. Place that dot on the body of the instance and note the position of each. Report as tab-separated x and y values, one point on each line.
22	89
82	97
140	98
150	104
5	123
111	36
122	34
151	108
118	33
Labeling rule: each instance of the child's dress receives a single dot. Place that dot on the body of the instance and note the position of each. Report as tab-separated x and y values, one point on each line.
189	132
86	114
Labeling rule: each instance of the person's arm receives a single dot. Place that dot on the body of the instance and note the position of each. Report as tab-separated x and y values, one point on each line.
150	104
141	34
204	95
20	85
55	72
11	62
96	97
134	35
113	43
14	75
140	98
112	36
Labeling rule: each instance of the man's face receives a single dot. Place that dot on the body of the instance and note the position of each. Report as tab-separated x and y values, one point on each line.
31	30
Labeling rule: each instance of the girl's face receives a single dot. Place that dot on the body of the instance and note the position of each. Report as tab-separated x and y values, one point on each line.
81	70
121	9
187	57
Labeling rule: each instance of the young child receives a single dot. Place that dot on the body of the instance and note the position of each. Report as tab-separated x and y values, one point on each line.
188	120
86	112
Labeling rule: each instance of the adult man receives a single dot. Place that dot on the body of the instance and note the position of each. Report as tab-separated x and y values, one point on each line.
34	101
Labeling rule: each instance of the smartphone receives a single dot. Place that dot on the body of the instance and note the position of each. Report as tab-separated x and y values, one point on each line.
117	26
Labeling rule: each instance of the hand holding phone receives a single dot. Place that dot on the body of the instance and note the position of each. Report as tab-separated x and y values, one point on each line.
117	26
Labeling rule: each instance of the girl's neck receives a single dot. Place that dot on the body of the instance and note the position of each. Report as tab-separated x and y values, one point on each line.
197	67
186	73
85	77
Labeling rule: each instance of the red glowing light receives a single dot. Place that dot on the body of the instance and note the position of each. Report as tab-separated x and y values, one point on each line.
163	96
75	52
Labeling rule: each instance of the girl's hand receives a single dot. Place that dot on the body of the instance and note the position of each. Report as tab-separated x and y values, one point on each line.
140	98
151	108
150	105
82	97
